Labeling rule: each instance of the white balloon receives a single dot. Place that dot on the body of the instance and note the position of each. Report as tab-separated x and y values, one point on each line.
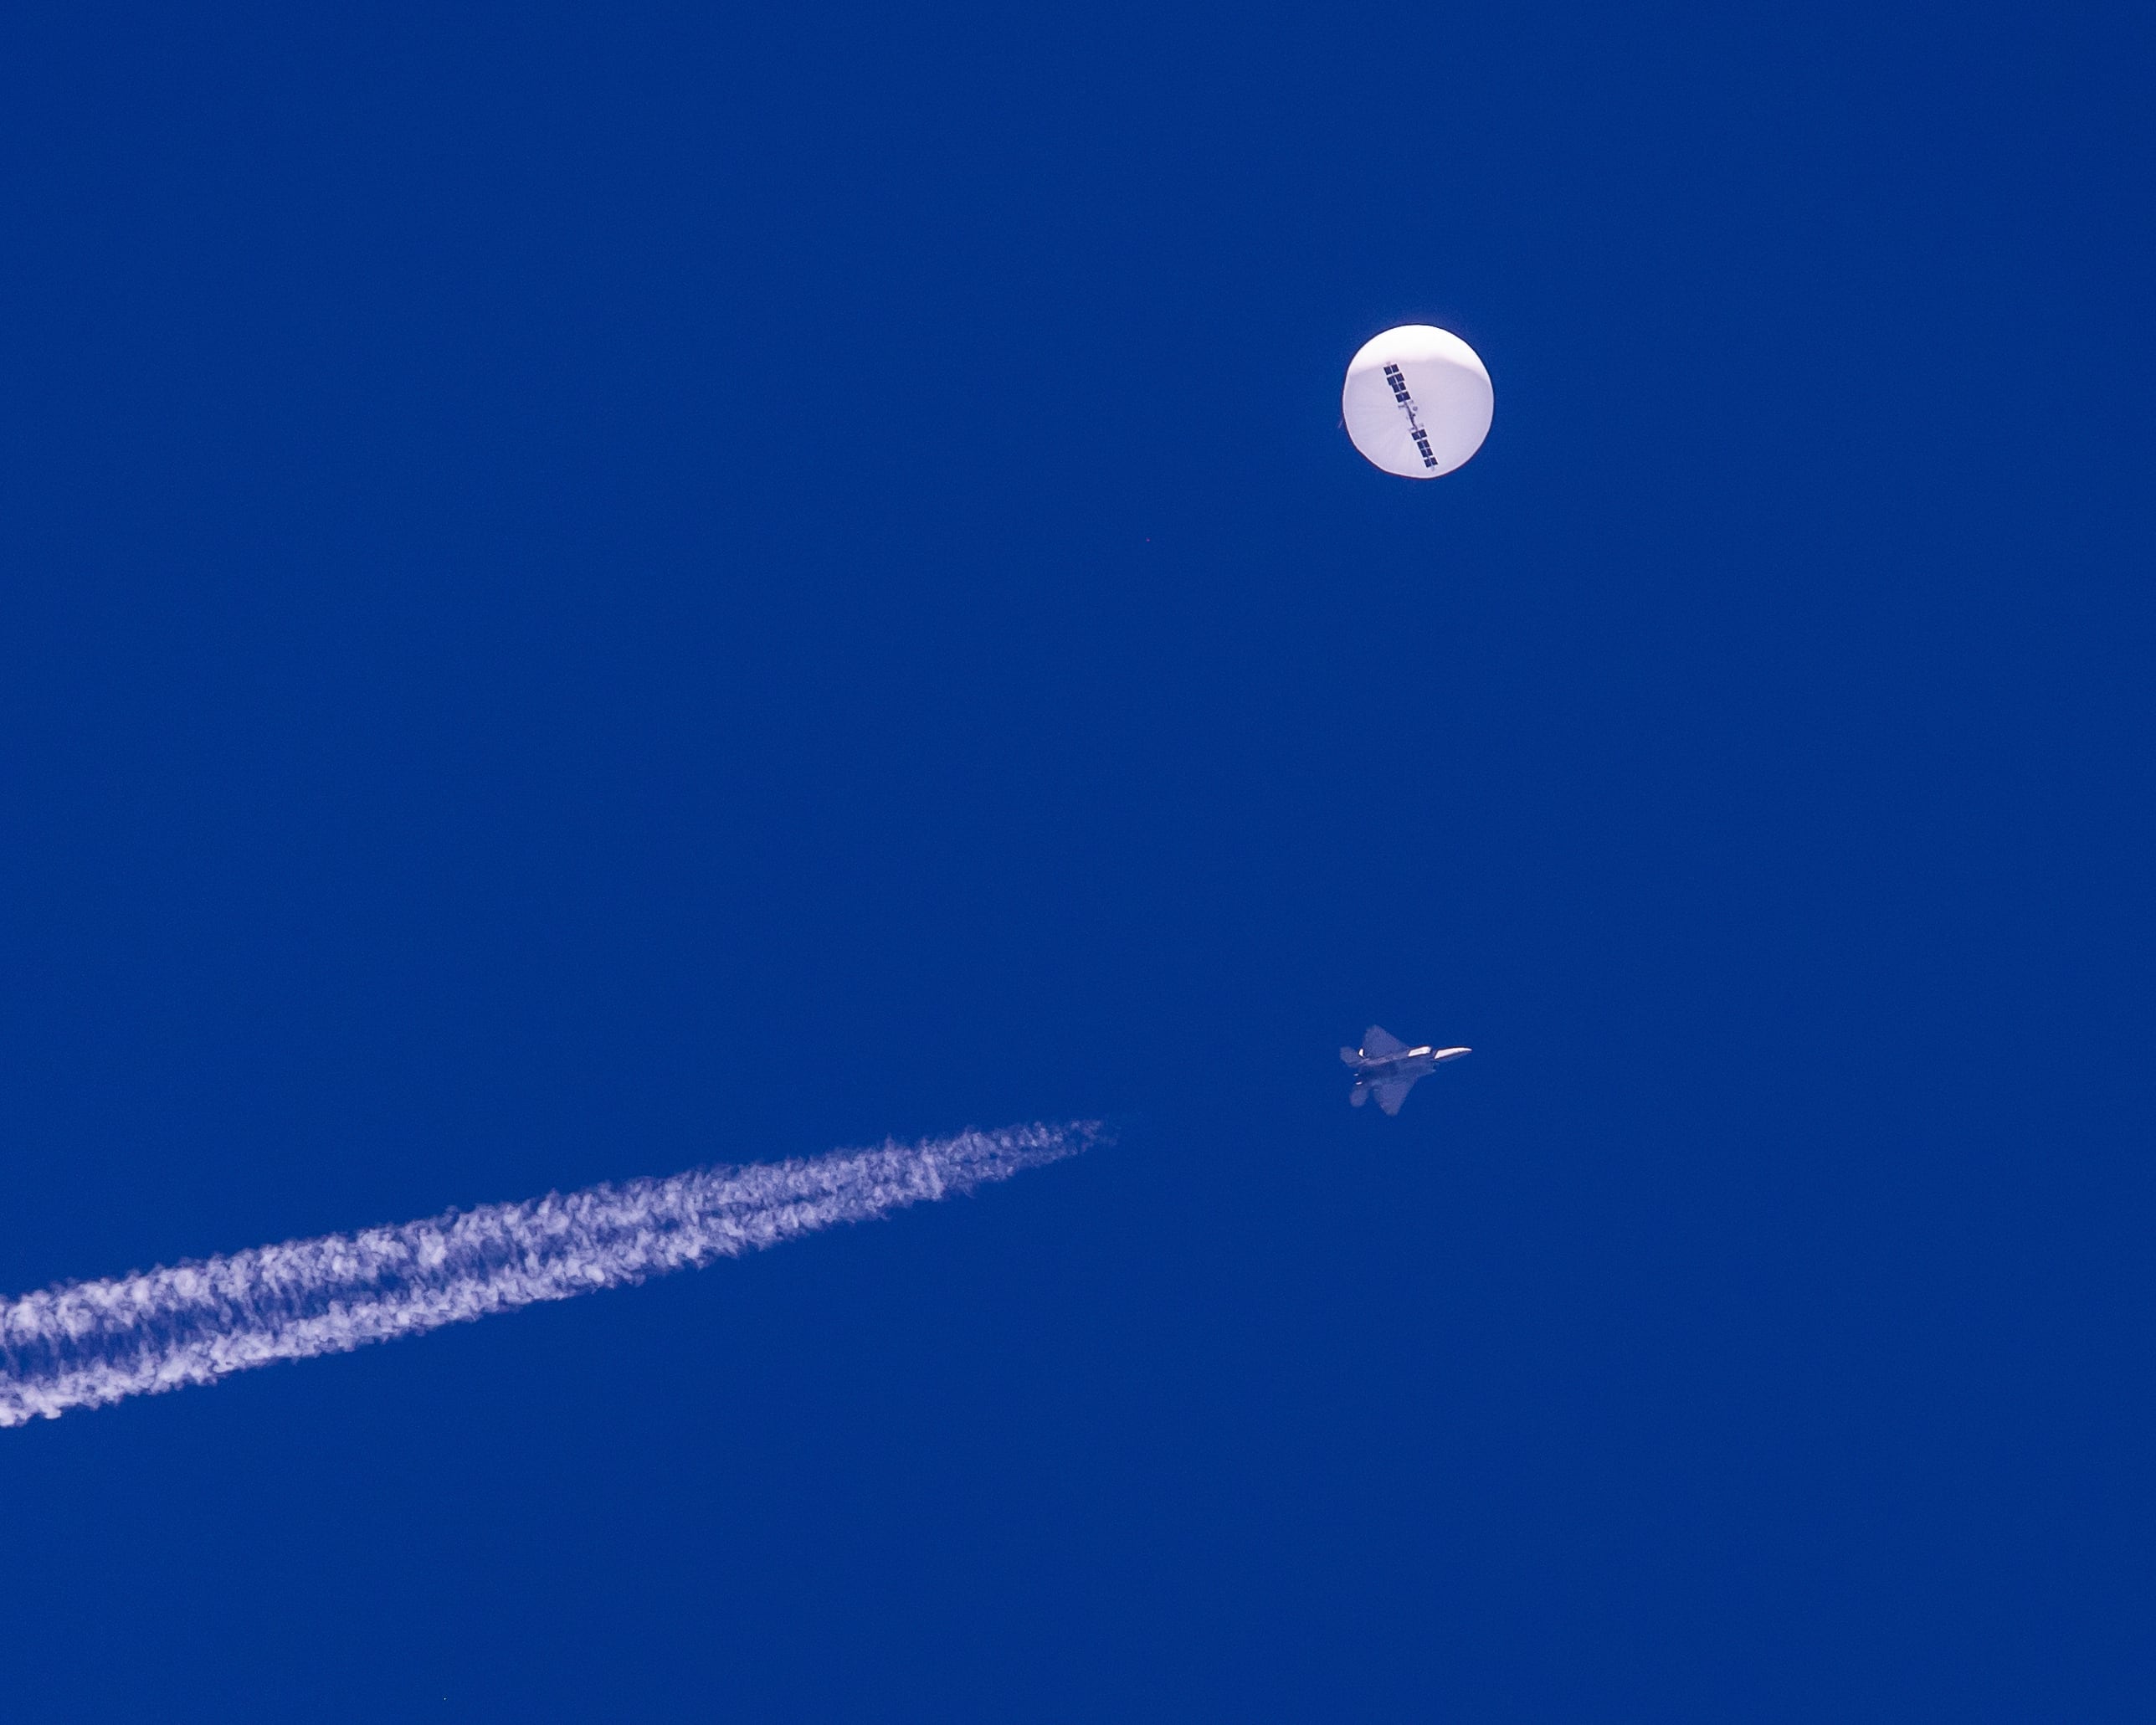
1417	401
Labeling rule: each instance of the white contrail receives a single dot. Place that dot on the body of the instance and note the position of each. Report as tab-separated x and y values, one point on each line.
83	1344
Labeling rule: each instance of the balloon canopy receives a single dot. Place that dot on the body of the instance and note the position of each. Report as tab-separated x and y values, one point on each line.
1417	401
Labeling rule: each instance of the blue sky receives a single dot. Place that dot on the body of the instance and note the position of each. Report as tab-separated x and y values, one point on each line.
583	594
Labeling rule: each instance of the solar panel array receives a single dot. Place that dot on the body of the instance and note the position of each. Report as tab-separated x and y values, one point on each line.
1407	402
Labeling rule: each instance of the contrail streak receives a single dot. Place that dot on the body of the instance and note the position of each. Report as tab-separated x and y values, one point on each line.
83	1344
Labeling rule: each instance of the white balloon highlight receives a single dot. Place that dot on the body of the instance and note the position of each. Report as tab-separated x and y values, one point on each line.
1417	401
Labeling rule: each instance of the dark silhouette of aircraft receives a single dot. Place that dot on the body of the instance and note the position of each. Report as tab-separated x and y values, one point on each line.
1387	1069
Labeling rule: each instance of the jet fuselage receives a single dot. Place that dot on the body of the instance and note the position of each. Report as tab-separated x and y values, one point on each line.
1415	1063
1385	1070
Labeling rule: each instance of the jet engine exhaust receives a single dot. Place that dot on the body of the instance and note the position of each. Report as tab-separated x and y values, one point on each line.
87	1344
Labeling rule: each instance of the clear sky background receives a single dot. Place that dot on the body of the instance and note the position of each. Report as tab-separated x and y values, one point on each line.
585	593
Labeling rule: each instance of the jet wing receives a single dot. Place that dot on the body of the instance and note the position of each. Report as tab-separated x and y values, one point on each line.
1380	1043
1392	1093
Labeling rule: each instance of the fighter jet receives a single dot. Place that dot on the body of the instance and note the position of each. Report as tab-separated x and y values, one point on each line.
1387	1068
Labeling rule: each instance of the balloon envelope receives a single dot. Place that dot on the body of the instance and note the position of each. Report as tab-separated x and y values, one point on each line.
1417	401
